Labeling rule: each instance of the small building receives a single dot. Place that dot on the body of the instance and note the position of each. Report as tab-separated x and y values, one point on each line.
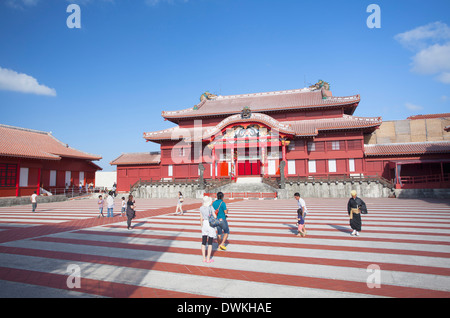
131	167
32	159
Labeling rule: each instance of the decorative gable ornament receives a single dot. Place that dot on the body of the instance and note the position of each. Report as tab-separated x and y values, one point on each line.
246	112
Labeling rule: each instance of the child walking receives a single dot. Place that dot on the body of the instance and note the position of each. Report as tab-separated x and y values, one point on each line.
124	207
100	205
301	223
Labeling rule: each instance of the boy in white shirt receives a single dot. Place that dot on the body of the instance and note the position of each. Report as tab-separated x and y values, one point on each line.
124	206
301	205
33	201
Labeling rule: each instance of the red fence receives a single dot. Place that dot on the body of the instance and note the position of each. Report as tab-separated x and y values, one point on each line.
428	181
245	195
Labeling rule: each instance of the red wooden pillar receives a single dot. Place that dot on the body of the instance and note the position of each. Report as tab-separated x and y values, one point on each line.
18	179
283	147
38	192
236	168
213	163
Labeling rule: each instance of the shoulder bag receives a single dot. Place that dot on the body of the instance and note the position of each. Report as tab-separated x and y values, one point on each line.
213	221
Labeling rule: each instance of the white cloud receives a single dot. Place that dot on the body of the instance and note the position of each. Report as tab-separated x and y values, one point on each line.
432	60
421	37
20	4
444	77
413	107
18	82
155	2
432	44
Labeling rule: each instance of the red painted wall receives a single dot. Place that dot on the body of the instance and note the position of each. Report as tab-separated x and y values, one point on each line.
39	174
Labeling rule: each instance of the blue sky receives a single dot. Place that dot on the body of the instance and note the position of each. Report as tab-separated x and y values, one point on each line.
99	87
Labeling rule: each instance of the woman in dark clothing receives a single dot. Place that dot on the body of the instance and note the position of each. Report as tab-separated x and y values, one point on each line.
354	207
130	210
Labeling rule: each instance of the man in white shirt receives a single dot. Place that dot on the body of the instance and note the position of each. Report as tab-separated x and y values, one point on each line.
33	201
301	205
110	203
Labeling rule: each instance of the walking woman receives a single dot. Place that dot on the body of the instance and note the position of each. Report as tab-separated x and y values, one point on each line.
179	204
208	232
355	207
222	212
131	210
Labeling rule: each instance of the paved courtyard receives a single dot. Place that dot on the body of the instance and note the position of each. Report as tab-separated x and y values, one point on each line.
64	250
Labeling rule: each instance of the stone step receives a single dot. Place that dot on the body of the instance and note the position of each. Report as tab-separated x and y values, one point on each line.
245	187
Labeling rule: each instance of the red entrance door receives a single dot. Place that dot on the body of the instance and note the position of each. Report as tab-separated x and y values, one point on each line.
249	168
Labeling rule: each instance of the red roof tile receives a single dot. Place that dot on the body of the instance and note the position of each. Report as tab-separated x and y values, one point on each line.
262	102
28	143
429	116
137	158
411	148
175	133
302	128
312	127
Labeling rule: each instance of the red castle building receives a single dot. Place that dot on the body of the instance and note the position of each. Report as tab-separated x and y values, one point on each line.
315	133
32	159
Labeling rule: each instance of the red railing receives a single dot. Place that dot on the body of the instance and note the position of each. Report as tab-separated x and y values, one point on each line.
428	181
245	195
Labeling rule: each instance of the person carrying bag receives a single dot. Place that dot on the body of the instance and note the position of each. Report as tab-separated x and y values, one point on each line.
213	220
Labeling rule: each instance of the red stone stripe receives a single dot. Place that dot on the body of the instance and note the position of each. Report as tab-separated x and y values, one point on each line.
311	235
279	279
286	226
256	256
88	286
300	245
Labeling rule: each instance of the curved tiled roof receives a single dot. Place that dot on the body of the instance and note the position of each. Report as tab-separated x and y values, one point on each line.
29	143
313	126
255	117
137	158
410	148
429	116
176	133
301	128
262	102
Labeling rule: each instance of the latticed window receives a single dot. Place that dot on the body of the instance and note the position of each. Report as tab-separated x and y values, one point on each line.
8	173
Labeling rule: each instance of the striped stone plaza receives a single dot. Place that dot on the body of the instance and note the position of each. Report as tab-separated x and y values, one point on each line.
403	251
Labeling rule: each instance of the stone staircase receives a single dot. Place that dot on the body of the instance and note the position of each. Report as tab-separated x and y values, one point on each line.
247	187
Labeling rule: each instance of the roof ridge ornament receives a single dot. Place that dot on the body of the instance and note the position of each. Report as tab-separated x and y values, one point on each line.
246	112
208	96
320	84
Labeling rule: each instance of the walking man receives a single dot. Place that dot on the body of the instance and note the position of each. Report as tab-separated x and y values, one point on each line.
33	201
301	205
